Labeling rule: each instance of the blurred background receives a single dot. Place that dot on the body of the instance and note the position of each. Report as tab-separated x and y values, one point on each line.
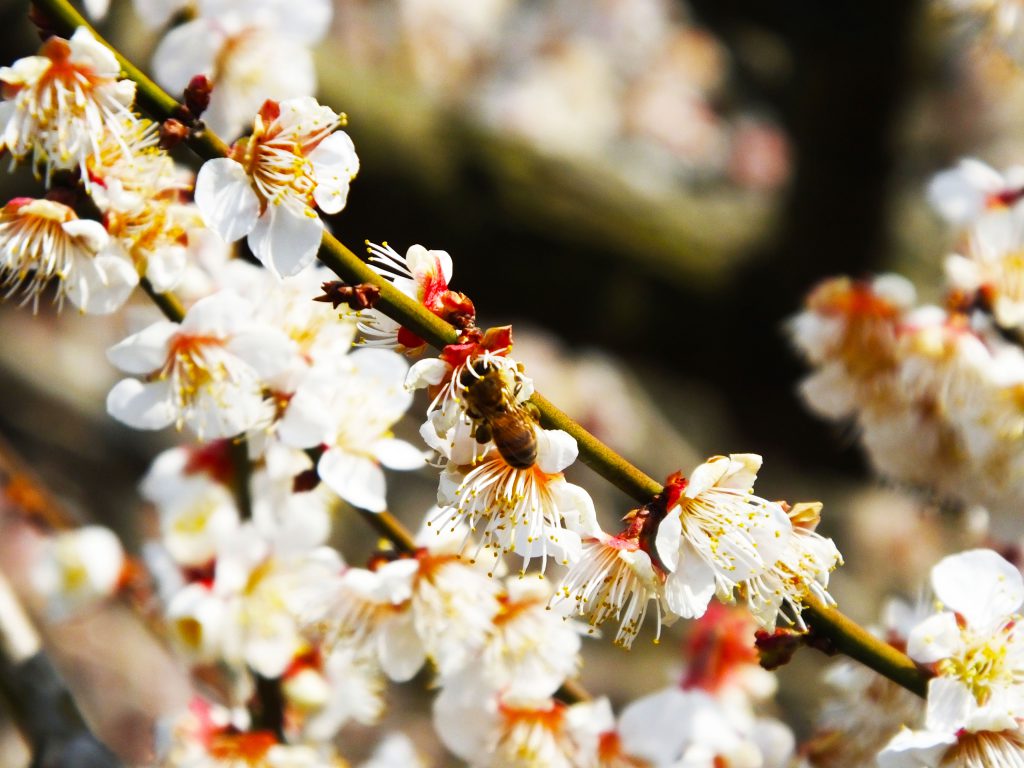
646	189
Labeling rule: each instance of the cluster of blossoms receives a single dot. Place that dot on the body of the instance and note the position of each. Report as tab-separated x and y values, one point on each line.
973	715
250	50
628	80
294	417
935	391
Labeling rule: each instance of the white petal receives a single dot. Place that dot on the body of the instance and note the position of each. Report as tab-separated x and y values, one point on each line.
335	163
556	450
267	350
950	705
707	475
400	649
165	267
145	351
141	406
669	538
689	588
102	284
915	749
979	585
305	422
358	480
397	454
428	372
186	51
937	637
286	242
225	198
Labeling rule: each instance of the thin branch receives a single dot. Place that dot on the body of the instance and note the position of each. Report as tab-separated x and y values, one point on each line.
845	634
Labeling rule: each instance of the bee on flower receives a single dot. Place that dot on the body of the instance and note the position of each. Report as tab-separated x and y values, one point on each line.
271	185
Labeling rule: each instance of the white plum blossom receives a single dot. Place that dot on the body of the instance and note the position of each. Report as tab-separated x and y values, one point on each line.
422	275
673	728
197	511
613	579
349	409
490	730
396	750
208	372
143	196
268	590
437	605
530	650
533	512
251	50
993	260
718	535
76	569
976	699
324	694
211	736
963	193
43	240
268	186
974	644
58	105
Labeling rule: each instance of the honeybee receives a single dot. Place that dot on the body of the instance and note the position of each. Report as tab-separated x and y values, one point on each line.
497	416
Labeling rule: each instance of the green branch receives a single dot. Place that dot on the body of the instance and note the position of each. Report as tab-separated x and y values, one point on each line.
844	634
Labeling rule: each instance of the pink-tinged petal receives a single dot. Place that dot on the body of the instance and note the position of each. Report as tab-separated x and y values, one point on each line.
915	749
145	351
186	51
397	454
556	450
937	637
950	704
979	585
399	649
141	406
689	589
102	284
429	266
669	538
358	480
286	242
226	200
268	350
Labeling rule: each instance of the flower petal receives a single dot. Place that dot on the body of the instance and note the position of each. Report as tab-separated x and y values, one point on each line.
141	406
979	585
358	480
286	242
226	199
